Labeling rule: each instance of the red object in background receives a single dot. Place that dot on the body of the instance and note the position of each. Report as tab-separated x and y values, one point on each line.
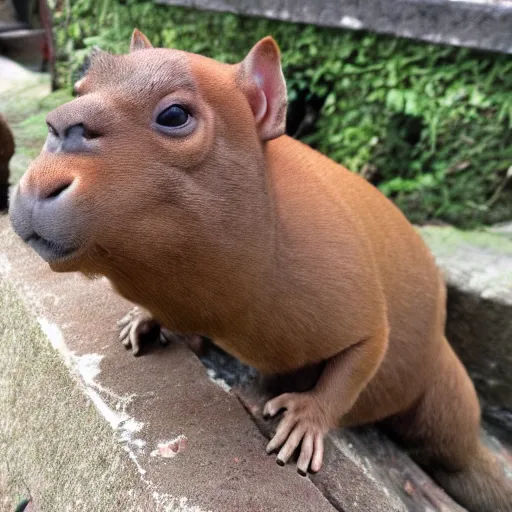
47	49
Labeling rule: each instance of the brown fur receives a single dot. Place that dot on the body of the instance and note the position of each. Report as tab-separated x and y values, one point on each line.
6	152
280	255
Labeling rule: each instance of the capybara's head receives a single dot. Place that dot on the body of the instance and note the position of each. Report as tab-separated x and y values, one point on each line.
161	157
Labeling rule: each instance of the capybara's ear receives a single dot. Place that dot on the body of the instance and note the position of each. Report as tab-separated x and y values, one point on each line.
95	54
263	82
139	41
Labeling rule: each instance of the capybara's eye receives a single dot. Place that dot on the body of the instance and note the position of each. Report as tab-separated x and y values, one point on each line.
173	116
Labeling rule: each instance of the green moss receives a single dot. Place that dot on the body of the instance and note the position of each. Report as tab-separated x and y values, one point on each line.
431	124
24	98
447	239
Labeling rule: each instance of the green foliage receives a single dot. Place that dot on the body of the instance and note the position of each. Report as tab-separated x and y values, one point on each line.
430	125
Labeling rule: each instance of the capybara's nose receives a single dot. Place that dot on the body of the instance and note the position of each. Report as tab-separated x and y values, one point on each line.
56	191
41	193
69	138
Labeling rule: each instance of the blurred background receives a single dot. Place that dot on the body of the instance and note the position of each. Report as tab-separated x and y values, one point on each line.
414	95
429	124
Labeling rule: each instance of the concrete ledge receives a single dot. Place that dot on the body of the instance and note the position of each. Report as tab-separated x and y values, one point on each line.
478	269
53	444
483	24
363	470
163	435
217	460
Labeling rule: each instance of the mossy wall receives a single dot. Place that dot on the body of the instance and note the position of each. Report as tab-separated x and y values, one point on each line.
430	125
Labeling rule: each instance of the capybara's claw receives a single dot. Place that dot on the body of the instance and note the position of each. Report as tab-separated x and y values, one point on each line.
134	326
303	423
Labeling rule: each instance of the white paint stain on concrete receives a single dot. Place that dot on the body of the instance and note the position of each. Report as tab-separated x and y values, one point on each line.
54	334
169	449
351	22
88	366
124	425
5	265
366	467
108	403
220	382
139	443
171	503
112	406
134	459
113	418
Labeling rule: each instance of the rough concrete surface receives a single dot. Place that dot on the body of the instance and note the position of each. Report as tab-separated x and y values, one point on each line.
478	270
221	463
363	470
483	24
53	443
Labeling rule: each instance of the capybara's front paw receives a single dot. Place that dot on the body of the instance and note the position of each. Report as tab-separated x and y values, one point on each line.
303	423
138	324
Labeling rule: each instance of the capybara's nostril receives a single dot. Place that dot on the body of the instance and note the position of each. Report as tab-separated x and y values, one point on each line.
57	191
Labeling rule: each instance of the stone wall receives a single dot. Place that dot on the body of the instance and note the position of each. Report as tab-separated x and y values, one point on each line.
483	24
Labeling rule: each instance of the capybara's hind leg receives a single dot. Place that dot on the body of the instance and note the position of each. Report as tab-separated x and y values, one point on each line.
443	433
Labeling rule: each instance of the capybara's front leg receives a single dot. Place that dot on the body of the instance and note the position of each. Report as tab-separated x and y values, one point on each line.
309	416
136	325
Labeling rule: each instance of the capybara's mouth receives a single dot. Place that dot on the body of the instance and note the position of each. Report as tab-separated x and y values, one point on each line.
48	250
